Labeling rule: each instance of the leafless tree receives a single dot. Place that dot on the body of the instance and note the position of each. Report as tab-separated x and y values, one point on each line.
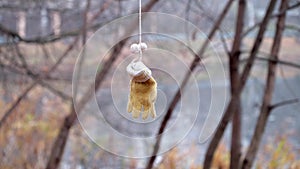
269	88
93	15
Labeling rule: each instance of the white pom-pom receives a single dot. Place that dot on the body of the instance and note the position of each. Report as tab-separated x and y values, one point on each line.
135	48
143	46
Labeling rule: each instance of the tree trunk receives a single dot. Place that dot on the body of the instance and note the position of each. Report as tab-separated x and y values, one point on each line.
235	153
234	98
61	140
269	88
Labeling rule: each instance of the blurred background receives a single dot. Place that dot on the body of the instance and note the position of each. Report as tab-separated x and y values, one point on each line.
257	42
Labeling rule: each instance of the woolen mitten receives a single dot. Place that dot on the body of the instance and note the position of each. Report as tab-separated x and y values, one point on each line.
142	97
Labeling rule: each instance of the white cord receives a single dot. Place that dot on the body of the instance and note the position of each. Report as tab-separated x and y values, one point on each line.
140	28
140	47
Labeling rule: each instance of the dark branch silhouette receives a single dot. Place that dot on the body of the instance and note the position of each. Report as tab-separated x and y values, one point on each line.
268	93
232	105
176	98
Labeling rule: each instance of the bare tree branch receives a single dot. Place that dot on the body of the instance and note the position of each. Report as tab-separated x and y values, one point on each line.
55	91
258	41
60	142
52	37
38	40
20	55
38	78
37	81
283	103
16	103
232	106
293	27
273	16
279	61
269	88
234	58
224	43
41	82
177	97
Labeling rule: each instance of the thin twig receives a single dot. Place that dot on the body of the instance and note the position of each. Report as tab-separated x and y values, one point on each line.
224	43
293	27
279	61
37	81
41	82
21	56
273	16
16	103
284	103
52	37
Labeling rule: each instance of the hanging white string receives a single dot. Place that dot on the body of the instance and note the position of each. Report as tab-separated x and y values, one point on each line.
140	29
136	67
140	22
140	47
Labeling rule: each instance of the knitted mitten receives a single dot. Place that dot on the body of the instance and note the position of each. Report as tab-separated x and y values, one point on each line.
142	97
